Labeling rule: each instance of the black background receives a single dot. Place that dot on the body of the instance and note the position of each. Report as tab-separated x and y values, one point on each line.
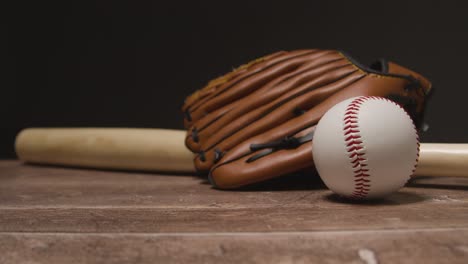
116	63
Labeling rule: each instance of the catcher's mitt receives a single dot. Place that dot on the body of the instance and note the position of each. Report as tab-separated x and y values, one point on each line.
257	122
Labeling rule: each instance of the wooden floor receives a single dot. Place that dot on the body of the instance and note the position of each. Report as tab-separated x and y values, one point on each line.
64	215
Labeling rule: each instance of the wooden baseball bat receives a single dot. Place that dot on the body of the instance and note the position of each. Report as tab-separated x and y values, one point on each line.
164	150
106	148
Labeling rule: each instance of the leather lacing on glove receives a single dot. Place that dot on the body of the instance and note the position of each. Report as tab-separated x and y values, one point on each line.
285	143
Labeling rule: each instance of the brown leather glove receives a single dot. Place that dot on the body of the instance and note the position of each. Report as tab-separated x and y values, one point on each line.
257	122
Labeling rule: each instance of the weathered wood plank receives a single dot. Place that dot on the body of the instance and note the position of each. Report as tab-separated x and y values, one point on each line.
29	186
23	186
281	218
44	199
385	246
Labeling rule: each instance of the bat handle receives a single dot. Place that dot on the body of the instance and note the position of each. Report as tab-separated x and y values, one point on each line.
443	160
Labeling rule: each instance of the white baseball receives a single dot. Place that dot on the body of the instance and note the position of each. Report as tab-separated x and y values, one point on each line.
365	147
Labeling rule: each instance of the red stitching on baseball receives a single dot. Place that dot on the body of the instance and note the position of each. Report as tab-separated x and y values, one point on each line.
362	175
362	180
350	122
354	154
351	131
350	126
350	117
355	164
362	185
352	137
352	141
357	161
360	170
356	149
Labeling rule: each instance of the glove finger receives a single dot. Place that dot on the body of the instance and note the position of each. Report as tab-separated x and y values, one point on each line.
215	83
257	105
255	77
312	74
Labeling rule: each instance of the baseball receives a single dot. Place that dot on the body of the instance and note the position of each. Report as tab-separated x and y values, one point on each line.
365	147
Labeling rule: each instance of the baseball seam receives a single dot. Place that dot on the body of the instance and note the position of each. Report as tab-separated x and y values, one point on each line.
356	149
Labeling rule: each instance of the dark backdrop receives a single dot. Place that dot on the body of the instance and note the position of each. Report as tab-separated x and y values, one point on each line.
116	63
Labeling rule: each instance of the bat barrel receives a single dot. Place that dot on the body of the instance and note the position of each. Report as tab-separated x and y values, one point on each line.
106	148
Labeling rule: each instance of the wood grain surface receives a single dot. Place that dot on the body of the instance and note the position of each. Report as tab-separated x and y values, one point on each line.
67	215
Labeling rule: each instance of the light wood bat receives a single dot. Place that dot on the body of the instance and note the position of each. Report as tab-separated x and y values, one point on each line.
163	150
